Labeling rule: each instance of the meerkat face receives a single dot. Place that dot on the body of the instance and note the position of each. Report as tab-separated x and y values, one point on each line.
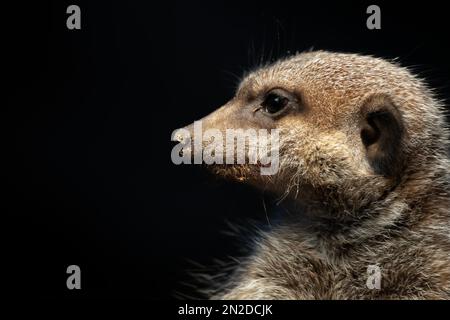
340	119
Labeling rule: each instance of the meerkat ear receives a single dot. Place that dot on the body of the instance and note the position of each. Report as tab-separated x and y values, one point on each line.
381	134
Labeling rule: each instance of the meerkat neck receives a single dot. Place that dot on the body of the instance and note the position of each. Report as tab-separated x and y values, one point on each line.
335	225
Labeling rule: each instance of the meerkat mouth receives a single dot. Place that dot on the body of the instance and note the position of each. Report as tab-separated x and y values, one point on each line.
238	147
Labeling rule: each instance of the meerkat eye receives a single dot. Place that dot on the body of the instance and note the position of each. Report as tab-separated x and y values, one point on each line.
273	103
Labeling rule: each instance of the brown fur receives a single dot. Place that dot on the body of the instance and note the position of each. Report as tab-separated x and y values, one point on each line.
365	170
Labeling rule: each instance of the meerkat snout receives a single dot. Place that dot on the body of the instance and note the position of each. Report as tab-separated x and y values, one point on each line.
363	160
336	130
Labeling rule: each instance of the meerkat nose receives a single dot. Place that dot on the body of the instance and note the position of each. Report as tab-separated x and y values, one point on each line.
182	133
179	137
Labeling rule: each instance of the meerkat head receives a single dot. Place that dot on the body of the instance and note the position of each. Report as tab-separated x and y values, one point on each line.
351	127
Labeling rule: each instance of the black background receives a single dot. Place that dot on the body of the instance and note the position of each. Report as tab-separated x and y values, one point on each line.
85	130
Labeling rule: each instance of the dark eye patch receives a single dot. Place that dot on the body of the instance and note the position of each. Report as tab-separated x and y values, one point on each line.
274	103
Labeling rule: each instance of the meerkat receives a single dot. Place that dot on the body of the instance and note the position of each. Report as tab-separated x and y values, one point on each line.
364	169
